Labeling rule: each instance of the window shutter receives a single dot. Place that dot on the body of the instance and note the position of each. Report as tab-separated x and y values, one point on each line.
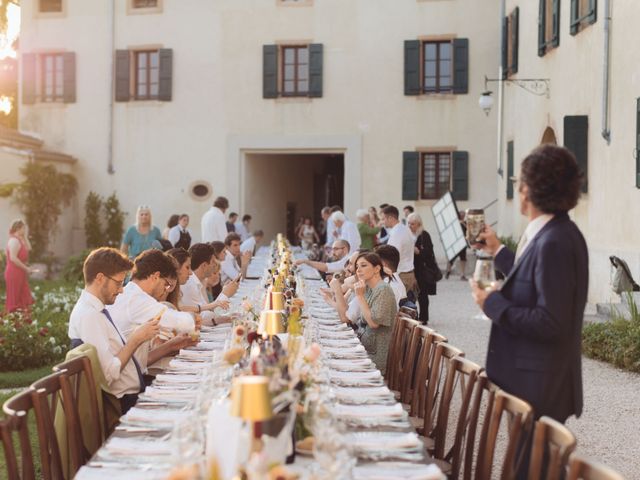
412	67
593	11
460	187
542	48
29	78
576	139
69	77
410	172
505	47
122	76
461	65
573	26
165	85
509	170
269	71
515	18
555	41
638	143
315	69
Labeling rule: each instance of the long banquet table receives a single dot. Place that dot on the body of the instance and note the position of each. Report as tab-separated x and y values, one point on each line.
166	426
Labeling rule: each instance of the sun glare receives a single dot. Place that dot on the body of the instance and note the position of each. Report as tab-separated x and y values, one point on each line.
5	105
6	41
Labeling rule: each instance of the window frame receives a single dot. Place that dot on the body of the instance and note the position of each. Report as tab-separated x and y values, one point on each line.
42	78
283	65
132	9
423	61
551	38
512	44
50	12
136	54
437	153
585	11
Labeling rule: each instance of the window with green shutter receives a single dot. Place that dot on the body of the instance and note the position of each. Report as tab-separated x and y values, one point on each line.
548	25
292	70
460	175
583	14
510	179
438	173
49	77
440	66
410	172
576	139
512	42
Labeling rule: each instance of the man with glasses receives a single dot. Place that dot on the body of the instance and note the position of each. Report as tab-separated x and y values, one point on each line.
339	251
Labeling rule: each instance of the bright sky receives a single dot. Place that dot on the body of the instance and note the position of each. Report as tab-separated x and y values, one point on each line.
13	12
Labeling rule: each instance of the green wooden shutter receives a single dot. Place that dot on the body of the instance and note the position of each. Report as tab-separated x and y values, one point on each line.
515	38
315	69
573	25
542	48
410	173
412	81
122	84
29	78
592	16
638	143
69	77
509	170
460	175
555	41
505	47
165	85
269	71
461	65
576	139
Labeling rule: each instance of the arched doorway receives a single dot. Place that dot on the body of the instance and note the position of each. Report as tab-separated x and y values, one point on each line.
549	136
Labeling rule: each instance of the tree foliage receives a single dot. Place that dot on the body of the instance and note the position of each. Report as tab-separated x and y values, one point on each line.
92	220
114	221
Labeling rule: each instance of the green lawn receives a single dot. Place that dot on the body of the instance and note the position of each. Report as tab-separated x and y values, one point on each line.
24	378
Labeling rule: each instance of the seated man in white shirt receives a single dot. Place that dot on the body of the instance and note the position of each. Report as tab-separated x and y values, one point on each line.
153	273
231	269
242	228
390	258
250	244
104	272
340	250
194	292
347	230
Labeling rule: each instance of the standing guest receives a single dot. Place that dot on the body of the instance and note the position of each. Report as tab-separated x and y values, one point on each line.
141	236
179	235
366	230
390	259
347	230
242	228
173	221
330	227
407	210
424	263
16	273
232	269
535	342
462	256
383	236
401	238
252	242
340	252
307	234
213	225
325	213
231	222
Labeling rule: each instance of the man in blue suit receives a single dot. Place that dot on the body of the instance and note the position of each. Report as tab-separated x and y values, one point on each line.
535	343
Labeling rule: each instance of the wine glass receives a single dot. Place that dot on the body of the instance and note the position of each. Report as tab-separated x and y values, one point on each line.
485	276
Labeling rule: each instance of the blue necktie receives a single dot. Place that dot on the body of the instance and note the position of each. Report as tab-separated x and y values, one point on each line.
135	362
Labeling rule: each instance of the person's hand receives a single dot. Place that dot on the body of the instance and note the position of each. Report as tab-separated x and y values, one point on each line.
335	285
350	281
246	257
223	304
180	341
230	289
491	242
145	332
416	251
327	295
359	288
224	319
197	321
480	294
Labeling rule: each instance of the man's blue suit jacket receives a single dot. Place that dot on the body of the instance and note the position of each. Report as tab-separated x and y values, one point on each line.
535	343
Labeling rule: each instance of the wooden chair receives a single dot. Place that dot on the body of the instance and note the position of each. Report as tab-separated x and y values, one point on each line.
45	393
416	343
520	420
585	469
395	330
463	373
437	378
82	417
17	410
558	442
423	369
401	349
409	312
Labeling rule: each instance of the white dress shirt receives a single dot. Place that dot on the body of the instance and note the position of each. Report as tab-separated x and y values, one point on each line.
249	245
401	238
194	293
88	323
397	286
174	234
242	231
214	226
229	269
349	232
331	227
333	267
530	233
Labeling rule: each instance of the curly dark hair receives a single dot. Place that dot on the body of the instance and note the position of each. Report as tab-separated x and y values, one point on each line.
553	178
152	261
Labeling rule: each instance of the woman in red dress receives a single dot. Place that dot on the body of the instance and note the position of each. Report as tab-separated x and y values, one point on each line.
16	275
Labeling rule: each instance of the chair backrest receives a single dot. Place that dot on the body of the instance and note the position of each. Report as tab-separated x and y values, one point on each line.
416	343
558	442
438	374
82	417
581	468
423	369
16	410
409	312
46	393
395	330
519	415
401	350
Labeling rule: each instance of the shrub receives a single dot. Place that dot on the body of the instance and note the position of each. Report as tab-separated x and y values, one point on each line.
92	221
509	242
115	221
72	270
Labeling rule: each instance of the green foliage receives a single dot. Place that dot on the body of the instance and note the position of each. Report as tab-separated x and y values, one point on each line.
115	221
72	270
23	378
509	242
41	198
617	341
7	189
92	222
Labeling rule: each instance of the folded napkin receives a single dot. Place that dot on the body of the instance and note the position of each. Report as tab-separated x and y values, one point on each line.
154	416
177	379
337	334
197	354
376	411
370	392
397	471
106	472
339	342
376	441
186	366
343	349
205	345
136	446
369	375
154	393
349	362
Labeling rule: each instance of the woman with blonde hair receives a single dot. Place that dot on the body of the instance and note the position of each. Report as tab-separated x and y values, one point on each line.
141	236
16	274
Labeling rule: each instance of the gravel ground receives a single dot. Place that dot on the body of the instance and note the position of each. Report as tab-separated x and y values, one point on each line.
609	428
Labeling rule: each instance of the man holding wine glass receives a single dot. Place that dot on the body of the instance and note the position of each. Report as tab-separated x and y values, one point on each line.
535	342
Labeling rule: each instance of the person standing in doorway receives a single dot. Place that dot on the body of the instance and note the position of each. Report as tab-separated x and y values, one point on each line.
213	225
